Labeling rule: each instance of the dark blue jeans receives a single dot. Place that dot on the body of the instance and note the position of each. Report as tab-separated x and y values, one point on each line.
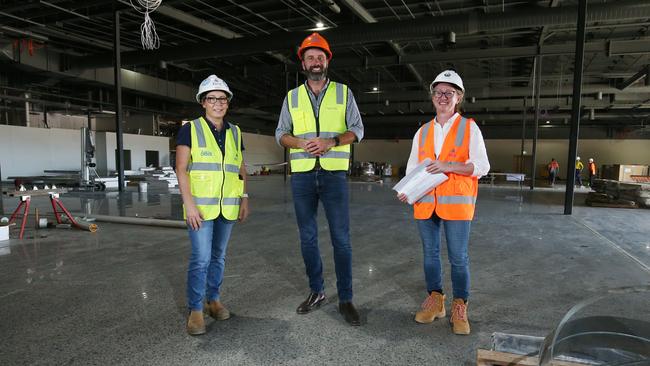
331	188
207	261
457	235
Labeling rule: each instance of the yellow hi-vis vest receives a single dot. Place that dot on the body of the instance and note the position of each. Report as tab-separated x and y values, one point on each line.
214	177
329	123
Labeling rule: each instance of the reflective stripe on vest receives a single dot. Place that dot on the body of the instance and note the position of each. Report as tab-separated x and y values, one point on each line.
454	199
427	199
211	167
331	123
457	200
204	201
214	176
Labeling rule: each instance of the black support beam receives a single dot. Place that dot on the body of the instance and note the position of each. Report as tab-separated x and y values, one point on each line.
575	110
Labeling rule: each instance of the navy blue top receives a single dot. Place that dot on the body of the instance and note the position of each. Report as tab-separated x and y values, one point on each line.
185	135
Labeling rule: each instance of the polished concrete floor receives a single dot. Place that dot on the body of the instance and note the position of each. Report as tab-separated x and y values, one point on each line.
118	296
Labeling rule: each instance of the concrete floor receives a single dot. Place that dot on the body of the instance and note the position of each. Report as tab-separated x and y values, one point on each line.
118	296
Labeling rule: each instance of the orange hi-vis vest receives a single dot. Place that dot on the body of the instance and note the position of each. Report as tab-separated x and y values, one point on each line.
455	199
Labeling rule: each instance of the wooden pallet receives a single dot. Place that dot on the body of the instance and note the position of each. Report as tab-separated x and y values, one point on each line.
494	358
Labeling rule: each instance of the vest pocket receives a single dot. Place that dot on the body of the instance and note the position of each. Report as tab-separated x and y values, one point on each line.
204	182
299	123
461	187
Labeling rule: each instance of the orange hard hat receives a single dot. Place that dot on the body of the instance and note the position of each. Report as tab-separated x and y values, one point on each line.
315	40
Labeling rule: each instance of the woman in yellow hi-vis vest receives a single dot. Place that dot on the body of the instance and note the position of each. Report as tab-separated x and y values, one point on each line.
455	145
212	180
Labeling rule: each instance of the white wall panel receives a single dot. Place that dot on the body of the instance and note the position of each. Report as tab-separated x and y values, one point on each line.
29	151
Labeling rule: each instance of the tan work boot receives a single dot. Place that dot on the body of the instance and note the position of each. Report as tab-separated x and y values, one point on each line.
217	311
459	321
433	307
195	323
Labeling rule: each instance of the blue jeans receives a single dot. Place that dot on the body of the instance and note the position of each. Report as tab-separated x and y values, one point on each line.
457	235
331	188
207	261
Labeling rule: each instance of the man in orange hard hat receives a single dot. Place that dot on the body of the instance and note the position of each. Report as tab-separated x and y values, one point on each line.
318	123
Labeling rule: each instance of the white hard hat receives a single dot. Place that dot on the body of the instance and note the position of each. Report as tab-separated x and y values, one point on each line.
577	158
591	160
448	76
211	83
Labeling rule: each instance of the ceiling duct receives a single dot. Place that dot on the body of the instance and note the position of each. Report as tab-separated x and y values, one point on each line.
421	28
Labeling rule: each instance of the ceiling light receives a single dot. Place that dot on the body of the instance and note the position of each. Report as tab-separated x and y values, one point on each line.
374	88
547	122
320	25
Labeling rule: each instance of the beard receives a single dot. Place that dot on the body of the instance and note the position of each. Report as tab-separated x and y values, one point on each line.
316	75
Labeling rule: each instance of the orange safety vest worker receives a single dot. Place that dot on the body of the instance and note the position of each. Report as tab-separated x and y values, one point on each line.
455	199
592	168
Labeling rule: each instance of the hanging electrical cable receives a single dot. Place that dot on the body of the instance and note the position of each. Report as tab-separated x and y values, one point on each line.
149	37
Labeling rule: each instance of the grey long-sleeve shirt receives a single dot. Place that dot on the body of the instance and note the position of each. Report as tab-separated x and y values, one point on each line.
352	115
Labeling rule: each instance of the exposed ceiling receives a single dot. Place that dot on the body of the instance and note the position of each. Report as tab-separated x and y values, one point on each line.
61	52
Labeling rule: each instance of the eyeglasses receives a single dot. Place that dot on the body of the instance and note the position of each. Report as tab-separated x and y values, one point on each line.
447	94
213	100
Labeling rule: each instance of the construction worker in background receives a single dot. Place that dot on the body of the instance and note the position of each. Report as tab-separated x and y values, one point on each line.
318	122
592	171
579	167
212	180
553	170
456	147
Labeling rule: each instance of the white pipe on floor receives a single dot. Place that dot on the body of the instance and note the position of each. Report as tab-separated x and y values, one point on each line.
139	221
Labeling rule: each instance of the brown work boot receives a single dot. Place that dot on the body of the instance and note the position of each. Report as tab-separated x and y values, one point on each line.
458	320
433	307
195	323
217	311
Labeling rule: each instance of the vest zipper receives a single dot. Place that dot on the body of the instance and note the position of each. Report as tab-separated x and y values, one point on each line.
317	117
223	168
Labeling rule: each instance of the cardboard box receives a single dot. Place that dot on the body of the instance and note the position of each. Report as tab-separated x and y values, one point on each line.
623	173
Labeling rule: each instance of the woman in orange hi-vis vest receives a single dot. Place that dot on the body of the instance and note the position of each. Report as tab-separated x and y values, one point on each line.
455	145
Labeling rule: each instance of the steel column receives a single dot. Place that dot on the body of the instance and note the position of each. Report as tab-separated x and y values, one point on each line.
575	110
119	161
538	87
